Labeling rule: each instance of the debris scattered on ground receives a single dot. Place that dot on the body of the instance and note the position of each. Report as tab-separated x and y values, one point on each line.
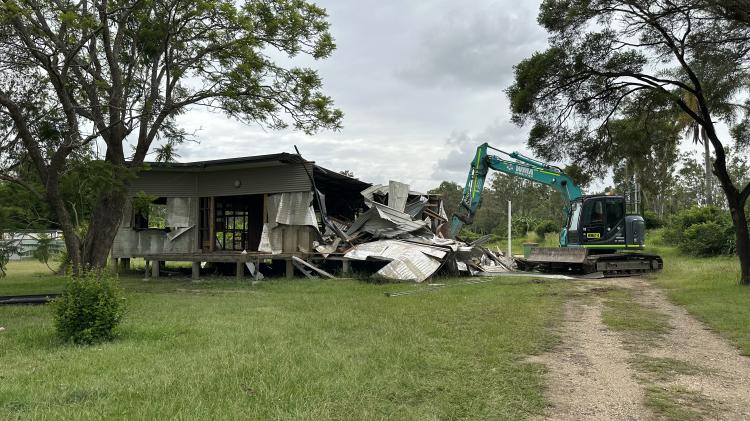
406	230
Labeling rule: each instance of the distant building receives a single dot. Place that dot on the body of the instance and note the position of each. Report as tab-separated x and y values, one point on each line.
27	241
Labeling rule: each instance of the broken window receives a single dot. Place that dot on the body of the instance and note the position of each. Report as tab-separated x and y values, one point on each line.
237	222
150	214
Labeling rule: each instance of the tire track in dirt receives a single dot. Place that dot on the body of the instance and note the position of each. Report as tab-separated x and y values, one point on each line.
725	374
591	374
588	377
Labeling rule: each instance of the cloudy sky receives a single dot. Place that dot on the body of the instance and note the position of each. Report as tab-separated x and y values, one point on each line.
421	85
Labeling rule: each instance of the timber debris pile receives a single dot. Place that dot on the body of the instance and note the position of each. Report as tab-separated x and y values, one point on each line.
407	232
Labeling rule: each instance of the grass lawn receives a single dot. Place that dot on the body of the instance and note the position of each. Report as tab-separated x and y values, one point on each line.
708	288
284	349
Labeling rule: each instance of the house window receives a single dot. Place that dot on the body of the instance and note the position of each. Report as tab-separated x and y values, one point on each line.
150	215
236	222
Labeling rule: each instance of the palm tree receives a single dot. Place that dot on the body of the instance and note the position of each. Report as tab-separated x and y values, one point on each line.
698	133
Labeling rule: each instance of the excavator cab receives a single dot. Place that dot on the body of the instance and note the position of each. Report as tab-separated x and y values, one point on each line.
600	223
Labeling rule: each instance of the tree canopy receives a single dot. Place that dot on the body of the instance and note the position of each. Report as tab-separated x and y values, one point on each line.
119	72
603	54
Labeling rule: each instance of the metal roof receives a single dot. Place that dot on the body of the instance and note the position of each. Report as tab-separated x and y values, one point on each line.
284	158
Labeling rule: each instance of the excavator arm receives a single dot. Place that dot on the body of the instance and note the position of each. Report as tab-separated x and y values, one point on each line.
517	165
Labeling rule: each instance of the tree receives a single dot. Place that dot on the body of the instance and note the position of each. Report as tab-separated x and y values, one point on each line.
643	148
603	52
118	72
698	134
451	193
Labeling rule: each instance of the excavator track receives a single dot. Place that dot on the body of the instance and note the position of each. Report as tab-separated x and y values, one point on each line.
581	261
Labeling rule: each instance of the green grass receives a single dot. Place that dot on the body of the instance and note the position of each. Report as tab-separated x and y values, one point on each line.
639	325
676	403
665	369
285	349
550	240
708	288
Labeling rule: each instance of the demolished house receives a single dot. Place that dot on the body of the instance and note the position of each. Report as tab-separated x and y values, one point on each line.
254	212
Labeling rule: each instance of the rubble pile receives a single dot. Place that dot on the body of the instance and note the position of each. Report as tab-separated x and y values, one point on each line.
407	230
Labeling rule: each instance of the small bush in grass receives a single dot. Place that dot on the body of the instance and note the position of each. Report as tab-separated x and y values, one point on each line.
89	309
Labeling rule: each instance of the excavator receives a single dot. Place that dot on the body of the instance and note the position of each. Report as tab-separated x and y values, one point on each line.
599	237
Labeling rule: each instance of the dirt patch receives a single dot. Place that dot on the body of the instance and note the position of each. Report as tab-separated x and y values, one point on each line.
723	376
684	372
588	374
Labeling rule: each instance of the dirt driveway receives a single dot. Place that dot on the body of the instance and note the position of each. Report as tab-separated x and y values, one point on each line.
627	353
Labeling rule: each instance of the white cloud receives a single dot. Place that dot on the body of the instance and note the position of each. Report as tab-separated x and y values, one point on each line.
412	78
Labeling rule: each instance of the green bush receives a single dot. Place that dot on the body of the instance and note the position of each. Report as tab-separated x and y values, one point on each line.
89	309
701	231
652	220
544	227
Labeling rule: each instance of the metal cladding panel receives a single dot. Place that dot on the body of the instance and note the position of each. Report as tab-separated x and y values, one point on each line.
277	178
272	179
409	261
165	183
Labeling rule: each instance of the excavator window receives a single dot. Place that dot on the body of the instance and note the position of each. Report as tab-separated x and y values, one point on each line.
597	216
593	212
615	213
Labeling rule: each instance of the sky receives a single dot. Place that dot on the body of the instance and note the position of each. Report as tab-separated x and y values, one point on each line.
421	85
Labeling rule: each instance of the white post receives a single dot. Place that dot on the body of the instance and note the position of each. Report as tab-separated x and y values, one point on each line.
510	233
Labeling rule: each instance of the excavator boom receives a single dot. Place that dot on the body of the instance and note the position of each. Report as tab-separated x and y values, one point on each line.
520	166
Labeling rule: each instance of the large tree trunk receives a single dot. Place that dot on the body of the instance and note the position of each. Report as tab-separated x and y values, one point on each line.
736	203
103	227
743	238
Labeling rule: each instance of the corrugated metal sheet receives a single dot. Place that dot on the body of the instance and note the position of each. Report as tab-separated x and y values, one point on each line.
398	193
272	179
370	192
384	222
178	211
295	209
416	207
408	261
164	184
291	224
278	178
410	266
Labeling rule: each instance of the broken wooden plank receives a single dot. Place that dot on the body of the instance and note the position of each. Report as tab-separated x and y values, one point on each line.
313	267
304	271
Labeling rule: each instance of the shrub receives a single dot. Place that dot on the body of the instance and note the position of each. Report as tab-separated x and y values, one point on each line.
90	308
701	231
652	220
544	227
706	239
